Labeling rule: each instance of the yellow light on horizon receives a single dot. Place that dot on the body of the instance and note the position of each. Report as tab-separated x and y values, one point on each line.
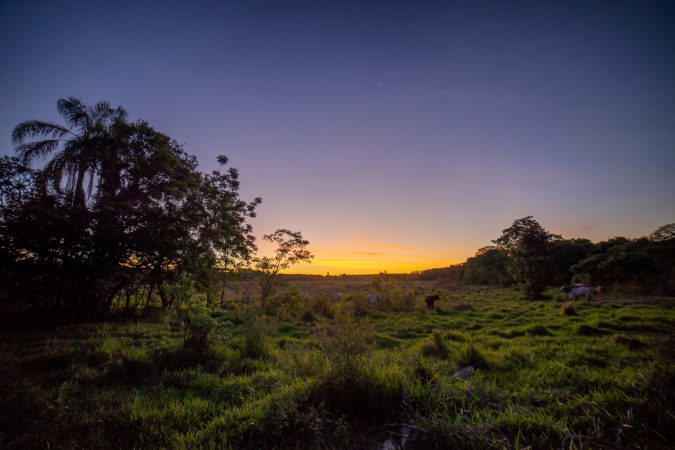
362	267
361	257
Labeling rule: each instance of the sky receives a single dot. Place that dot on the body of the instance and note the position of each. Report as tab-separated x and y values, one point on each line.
395	136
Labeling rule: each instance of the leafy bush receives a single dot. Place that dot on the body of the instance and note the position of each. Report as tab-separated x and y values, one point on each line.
256	339
346	343
288	301
358	305
200	327
560	297
191	316
402	300
322	305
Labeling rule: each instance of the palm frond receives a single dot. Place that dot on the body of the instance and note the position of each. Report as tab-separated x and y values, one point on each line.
37	129
34	150
74	111
100	113
121	113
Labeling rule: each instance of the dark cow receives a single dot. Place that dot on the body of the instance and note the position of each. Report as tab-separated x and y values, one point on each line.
431	299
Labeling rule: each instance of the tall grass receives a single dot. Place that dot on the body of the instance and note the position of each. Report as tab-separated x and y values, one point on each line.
317	373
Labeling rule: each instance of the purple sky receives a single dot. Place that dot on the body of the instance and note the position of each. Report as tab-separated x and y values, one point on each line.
394	136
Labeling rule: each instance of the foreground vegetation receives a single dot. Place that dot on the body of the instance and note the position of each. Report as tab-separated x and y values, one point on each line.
323	369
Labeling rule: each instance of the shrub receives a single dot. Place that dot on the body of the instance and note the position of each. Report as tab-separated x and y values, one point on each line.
346	343
560	297
354	382
191	316
321	304
358	305
582	278
288	301
182	290
256	339
568	309
200	328
402	300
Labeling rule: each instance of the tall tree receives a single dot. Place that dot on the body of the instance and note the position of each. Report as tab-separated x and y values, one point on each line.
291	249
530	248
663	233
226	227
153	217
488	266
78	147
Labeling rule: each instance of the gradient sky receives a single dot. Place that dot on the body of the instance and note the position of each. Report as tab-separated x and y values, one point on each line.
395	136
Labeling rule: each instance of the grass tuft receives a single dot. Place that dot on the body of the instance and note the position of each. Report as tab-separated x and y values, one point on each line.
469	355
589	330
537	330
632	343
436	347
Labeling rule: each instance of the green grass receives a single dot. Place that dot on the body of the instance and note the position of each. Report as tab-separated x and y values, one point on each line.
331	374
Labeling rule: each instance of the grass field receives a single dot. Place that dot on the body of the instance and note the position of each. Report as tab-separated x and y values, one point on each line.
325	370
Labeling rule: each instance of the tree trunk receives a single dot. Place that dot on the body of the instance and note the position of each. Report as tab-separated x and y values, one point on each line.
78	198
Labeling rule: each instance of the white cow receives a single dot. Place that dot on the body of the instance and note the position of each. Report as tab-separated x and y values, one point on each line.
577	290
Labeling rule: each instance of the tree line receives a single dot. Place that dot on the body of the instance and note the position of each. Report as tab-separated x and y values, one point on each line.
119	212
532	258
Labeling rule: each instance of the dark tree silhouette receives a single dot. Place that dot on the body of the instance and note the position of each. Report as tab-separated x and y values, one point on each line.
488	266
663	233
78	147
530	248
153	217
291	249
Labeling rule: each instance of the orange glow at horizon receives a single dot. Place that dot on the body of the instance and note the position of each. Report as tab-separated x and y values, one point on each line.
359	257
355	267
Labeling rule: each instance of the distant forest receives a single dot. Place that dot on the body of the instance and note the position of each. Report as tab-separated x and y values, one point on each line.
119	214
530	257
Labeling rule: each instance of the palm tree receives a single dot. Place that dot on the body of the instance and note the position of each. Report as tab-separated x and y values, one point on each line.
81	144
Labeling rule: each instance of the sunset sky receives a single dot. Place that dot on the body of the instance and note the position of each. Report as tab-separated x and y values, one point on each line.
395	135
